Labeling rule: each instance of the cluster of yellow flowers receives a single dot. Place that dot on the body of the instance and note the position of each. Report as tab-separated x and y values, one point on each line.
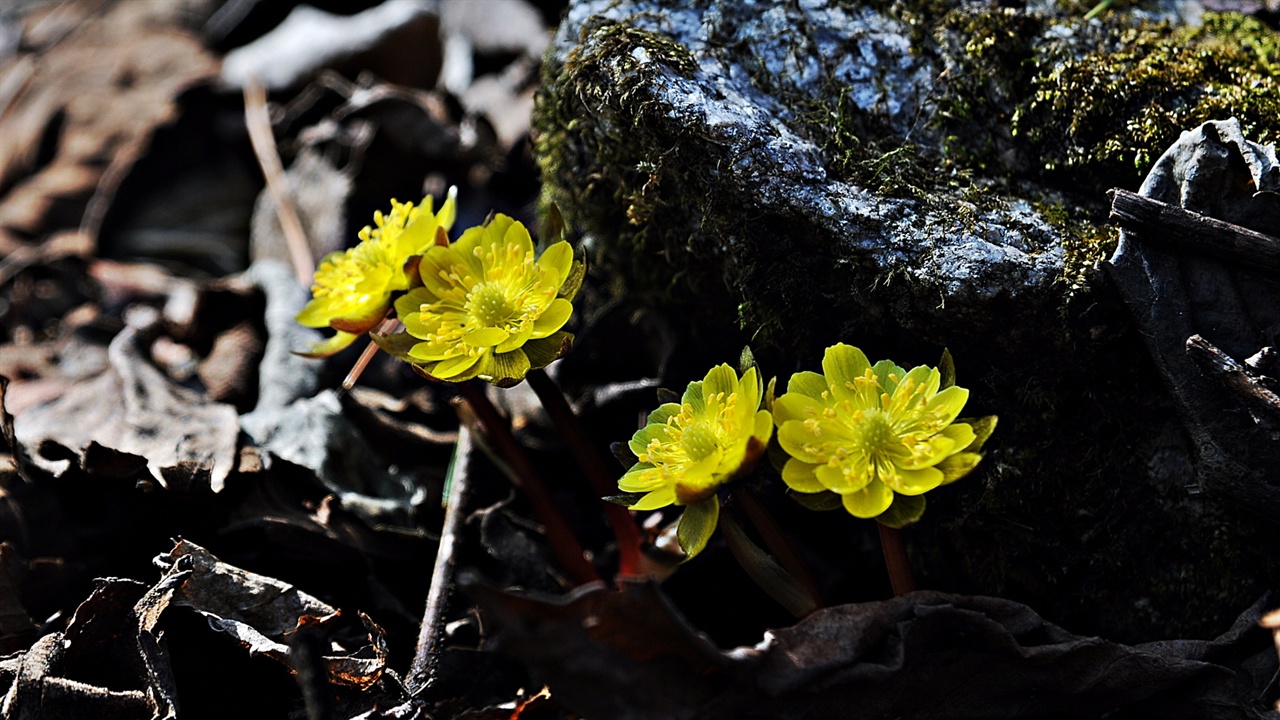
877	436
486	306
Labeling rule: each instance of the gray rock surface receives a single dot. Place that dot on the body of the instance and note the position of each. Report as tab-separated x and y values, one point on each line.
735	141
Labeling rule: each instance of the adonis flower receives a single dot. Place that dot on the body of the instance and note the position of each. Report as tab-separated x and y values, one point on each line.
487	307
688	450
870	433
352	289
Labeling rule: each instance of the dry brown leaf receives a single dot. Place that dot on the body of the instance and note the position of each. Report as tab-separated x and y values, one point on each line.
133	417
81	108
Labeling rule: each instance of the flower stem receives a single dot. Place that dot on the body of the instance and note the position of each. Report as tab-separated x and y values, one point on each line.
563	543
592	464
388	325
895	560
778	542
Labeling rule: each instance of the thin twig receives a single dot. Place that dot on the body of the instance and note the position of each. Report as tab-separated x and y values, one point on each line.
895	560
258	122
422	671
563	543
1233	375
589	459
778	542
1172	225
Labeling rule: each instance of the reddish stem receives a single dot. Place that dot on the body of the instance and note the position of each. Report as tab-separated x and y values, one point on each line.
778	543
388	325
602	481
895	560
563	542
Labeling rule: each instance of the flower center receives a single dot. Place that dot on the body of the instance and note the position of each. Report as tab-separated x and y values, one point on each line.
489	305
698	441
341	276
874	435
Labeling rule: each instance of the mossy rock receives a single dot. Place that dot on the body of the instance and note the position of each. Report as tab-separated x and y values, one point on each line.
925	174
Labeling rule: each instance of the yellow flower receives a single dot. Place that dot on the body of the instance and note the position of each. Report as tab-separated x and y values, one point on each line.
487	308
688	450
352	289
866	432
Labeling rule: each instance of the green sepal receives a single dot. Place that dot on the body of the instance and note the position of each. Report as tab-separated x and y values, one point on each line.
544	351
947	367
412	272
697	525
625	499
397	345
957	466
577	273
905	510
507	369
667	395
623	454
553	225
982	429
778	457
766	571
746	361
820	502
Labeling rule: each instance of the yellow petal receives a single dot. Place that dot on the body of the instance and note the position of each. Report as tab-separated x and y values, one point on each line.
748	394
515	234
720	379
835	479
329	346
420	325
449	210
809	384
797	439
799	476
796	406
453	367
642	477
659	498
557	260
517	340
662	413
433	352
946	405
913	482
639	443
842	365
317	312
870	501
693	397
888	374
553	318
763	427
409	303
485	336
443	269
